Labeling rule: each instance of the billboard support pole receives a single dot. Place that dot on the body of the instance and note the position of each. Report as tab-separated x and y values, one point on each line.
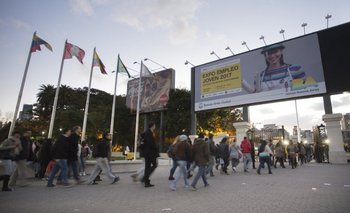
327	104
193	113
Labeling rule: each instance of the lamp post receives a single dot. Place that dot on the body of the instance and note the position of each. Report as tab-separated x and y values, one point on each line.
213	53
282	32
148	59
327	18
187	62
263	39
228	48
244	43
304	25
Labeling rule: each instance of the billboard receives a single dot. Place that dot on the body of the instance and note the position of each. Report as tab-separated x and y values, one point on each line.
280	71
154	91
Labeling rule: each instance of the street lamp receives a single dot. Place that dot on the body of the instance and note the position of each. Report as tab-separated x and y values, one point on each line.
244	43
148	59
263	38
282	32
304	25
228	48
327	18
136	62
187	62
213	53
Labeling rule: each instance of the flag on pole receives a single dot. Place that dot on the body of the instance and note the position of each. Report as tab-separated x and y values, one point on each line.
96	62
145	71
72	50
122	67
37	42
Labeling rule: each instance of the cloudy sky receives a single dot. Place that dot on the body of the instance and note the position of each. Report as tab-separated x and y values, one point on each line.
168	32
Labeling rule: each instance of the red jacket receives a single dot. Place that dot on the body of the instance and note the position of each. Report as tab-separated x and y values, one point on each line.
245	146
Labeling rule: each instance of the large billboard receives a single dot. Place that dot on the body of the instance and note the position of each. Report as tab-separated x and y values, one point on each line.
283	70
154	91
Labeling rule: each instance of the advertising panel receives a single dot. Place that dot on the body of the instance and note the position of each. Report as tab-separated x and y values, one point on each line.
280	71
154	91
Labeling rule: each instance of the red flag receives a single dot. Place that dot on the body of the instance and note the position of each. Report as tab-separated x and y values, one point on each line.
72	50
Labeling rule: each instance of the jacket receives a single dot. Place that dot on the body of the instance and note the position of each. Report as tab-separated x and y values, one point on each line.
102	149
150	148
73	147
200	152
182	151
246	147
224	150
60	148
13	145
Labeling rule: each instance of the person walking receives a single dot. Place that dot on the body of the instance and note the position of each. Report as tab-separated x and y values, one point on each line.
235	155
212	154
182	152
73	151
172	156
200	154
264	156
224	154
292	152
9	149
101	153
60	155
279	155
45	156
151	153
20	172
246	150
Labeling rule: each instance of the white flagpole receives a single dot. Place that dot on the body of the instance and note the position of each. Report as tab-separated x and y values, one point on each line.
137	112
53	115
87	100
111	131
13	123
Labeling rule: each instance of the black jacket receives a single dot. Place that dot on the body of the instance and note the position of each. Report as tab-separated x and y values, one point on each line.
60	148
102	149
26	151
150	148
73	147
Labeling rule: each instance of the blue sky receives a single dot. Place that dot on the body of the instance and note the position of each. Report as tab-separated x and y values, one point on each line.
166	31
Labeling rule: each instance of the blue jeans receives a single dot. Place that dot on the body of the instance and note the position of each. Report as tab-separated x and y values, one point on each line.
173	168
264	160
247	158
75	166
183	172
61	164
200	173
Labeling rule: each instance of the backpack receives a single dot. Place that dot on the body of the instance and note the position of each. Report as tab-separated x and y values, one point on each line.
170	151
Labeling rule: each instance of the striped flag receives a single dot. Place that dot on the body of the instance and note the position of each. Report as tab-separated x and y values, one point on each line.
72	50
122	67
37	42
96	62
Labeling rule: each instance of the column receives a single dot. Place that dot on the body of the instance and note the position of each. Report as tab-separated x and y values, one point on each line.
337	154
241	131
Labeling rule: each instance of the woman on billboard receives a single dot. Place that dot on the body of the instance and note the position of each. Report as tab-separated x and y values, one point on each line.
277	73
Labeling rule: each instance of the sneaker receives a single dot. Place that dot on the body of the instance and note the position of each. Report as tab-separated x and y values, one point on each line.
134	177
258	171
193	188
246	171
80	181
148	185
84	174
6	189
171	178
172	187
67	185
187	186
234	169
116	179
59	182
207	185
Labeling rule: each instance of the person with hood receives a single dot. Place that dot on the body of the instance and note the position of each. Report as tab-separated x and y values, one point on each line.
224	154
264	156
200	154
101	152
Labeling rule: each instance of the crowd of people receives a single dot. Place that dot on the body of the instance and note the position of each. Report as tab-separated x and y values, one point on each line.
67	155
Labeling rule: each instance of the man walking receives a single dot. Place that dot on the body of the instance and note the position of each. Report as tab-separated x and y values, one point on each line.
73	162
246	150
150	152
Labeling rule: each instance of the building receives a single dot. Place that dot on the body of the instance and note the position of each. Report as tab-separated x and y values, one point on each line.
26	113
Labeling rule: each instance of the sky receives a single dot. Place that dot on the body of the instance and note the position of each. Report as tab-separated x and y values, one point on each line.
168	32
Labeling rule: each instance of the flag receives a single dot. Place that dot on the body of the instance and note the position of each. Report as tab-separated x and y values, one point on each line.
72	50
122	67
96	62
37	42
145	71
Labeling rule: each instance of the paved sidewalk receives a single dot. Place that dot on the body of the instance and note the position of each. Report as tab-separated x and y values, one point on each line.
309	188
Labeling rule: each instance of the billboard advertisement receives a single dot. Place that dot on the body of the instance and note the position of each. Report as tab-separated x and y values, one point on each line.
154	91
283	70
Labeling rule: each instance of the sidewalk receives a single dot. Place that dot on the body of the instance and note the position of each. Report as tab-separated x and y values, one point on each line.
309	188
